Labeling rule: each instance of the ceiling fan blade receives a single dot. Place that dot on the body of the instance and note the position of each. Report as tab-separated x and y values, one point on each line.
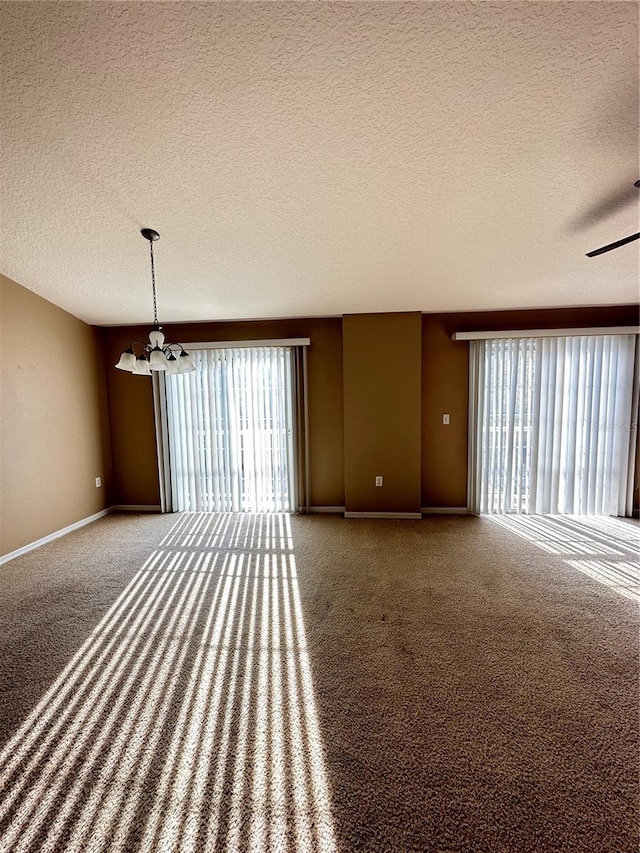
611	246
615	201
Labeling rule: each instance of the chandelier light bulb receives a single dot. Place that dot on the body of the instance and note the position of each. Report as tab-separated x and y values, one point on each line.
173	366
142	367
156	338
127	361
186	362
157	360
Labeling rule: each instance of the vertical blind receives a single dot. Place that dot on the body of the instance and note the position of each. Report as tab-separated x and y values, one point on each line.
230	429
555	426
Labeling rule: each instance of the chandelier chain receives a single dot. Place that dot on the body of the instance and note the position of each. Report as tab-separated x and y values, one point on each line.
153	284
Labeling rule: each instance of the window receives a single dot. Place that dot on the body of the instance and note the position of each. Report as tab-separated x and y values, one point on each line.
230	430
555	424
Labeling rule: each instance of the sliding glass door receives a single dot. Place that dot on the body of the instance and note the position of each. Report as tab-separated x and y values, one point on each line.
230	431
554	424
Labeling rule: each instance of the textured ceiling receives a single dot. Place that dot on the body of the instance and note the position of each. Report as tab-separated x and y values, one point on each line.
305	159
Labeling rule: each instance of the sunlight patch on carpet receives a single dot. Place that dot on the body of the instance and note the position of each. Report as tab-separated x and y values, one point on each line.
602	544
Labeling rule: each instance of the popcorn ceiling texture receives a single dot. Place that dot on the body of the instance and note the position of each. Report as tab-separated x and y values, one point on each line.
304	159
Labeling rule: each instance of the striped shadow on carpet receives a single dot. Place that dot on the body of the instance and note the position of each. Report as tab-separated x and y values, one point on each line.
275	684
197	677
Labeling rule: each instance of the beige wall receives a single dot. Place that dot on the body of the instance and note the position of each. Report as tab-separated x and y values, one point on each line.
382	380
445	383
131	408
53	437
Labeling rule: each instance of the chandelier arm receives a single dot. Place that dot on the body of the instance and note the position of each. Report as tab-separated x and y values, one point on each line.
135	343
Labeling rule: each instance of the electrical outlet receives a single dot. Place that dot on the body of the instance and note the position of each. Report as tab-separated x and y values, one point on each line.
445	419
378	480
98	482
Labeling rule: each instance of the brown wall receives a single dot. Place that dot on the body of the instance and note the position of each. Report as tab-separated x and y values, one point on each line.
131	425
445	384
131	408
382	380
56	437
53	435
442	456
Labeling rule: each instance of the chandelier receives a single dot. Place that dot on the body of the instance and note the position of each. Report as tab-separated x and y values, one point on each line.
143	358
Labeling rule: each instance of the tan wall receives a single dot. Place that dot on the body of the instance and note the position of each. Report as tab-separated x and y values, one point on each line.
53	436
131	406
382	379
445	384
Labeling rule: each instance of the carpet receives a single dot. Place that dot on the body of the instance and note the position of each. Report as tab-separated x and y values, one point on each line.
270	683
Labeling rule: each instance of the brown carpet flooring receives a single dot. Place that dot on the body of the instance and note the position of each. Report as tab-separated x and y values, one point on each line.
266	683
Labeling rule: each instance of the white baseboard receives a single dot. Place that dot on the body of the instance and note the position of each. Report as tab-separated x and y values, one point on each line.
444	510
5	558
51	536
339	509
135	508
414	515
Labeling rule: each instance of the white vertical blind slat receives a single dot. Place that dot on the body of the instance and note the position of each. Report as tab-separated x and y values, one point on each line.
210	458
234	431
292	439
486	435
536	435
182	474
555	471
261	460
613	410
282	429
198	446
633	432
623	415
217	460
492	413
600	409
581	470
588	432
510	415
222	429
276	426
